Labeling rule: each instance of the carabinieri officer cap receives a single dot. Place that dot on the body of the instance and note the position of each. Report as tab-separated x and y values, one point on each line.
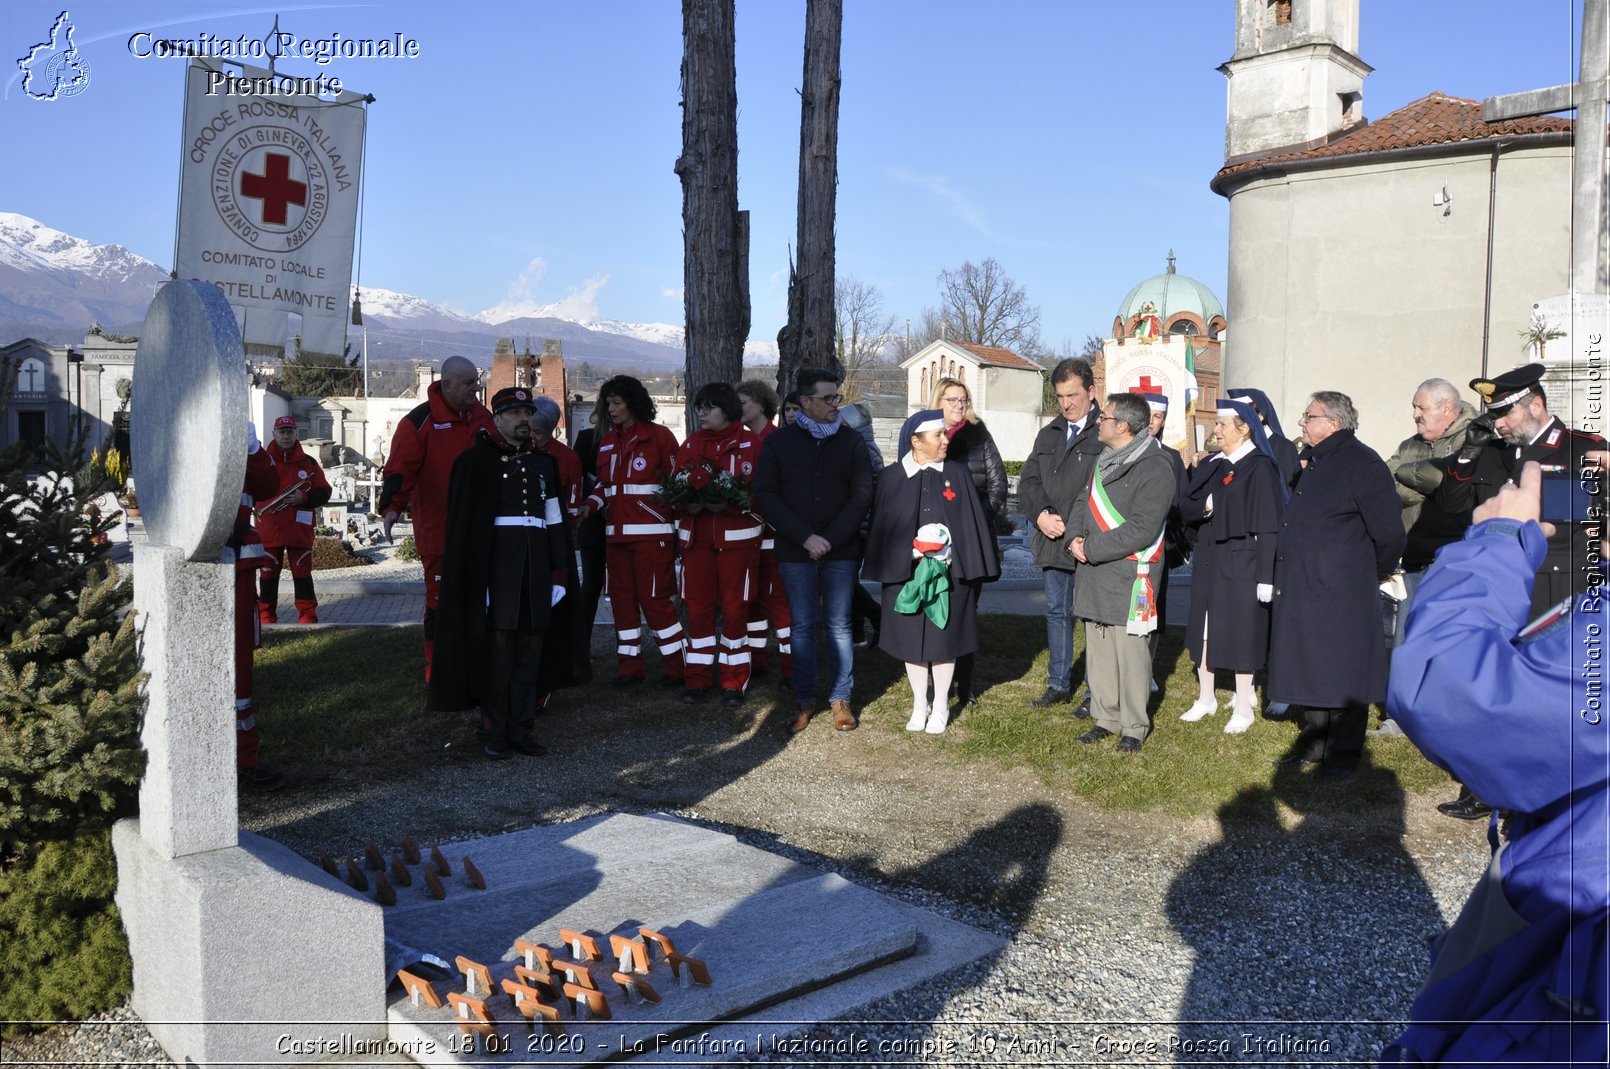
512	397
1505	391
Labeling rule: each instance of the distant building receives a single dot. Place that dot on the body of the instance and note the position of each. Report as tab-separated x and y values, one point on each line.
1367	256
544	374
1007	389
54	384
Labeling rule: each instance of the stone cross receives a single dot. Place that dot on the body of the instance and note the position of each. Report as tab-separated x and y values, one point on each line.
187	431
1589	184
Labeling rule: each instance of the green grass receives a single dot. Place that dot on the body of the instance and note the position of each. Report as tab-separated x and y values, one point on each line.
355	699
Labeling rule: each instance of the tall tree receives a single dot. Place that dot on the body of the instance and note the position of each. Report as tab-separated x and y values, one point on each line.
807	340
981	304
715	234
861	328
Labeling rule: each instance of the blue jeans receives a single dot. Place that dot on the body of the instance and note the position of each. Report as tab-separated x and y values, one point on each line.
820	592
1059	628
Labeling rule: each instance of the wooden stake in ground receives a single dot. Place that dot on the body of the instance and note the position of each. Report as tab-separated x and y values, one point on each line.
715	234
807	339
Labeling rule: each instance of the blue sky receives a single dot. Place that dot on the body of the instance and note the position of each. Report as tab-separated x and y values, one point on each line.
525	156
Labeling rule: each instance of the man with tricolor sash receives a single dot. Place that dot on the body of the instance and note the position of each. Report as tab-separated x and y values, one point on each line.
1116	538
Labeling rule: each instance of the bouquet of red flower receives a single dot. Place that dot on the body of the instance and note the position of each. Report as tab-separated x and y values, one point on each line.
703	484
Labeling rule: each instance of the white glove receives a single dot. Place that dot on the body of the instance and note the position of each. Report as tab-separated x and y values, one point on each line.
558	592
252	444
1207	506
1266	593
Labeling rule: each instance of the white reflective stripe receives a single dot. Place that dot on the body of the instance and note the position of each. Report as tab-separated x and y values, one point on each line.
743	535
700	658
554	511
758	625
668	648
626	633
644	528
246	725
735	658
758	643
609	529
703	642
609	491
242	704
768	543
738	643
520	521
251	549
640	489
305	517
783	647
784	632
246	499
629	651
674	629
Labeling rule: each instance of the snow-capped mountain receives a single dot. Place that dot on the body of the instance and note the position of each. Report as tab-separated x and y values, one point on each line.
54	285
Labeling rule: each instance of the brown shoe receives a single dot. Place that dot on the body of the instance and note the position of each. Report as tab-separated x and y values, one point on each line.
803	720
843	719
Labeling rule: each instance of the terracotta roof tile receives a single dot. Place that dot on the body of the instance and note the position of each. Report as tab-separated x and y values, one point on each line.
1432	120
995	356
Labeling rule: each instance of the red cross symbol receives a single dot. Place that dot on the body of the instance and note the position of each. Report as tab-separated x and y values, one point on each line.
275	188
1146	385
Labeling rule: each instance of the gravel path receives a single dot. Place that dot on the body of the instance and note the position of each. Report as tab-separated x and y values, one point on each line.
1264	917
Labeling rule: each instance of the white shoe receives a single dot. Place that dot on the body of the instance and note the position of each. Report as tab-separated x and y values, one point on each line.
938	719
1203	707
919	718
1240	721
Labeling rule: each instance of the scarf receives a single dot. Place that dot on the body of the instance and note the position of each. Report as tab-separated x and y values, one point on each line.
818	430
1142	618
928	589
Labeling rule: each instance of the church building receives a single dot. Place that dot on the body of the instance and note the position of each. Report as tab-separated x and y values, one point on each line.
1369	255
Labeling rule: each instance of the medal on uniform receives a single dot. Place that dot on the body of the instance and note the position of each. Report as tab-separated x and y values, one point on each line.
950	495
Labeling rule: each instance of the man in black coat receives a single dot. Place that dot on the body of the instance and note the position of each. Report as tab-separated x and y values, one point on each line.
814	486
506	564
1051	487
1341	537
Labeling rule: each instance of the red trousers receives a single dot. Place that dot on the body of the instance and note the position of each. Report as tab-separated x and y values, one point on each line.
770	605
642	578
301	565
719	579
247	639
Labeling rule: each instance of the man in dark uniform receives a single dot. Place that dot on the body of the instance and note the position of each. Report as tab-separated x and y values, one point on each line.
1528	431
505	565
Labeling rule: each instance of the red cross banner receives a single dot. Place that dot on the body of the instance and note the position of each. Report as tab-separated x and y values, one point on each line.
268	200
1151	365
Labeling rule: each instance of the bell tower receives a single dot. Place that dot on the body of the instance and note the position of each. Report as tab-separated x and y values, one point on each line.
1295	79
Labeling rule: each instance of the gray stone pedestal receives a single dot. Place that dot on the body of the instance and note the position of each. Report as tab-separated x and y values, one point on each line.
242	957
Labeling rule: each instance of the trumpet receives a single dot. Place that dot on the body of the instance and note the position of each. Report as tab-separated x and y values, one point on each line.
283	501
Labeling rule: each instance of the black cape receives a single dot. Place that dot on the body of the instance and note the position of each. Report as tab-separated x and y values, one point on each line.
1235	551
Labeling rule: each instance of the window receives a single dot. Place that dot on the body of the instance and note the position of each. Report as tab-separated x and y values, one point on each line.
1282	12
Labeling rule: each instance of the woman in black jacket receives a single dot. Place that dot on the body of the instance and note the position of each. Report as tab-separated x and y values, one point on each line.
971	444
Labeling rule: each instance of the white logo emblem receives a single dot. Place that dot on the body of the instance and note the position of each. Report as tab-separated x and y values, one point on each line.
639	463
748	468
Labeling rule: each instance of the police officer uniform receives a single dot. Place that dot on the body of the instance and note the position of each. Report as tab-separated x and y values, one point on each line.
507	557
1476	475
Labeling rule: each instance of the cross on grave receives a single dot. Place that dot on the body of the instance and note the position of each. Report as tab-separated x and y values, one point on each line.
275	188
1589	180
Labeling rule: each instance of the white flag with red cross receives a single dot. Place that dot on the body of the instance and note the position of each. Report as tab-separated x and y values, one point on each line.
268	200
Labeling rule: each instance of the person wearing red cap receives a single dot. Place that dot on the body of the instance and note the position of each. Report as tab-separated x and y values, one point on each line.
423	448
285	522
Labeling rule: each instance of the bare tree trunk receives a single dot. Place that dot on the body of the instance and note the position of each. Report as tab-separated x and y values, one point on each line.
807	339
715	234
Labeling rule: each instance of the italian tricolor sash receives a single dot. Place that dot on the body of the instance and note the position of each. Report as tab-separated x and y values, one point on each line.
1143	597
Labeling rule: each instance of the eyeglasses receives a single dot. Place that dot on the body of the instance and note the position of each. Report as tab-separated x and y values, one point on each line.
826	398
953	400
1306	416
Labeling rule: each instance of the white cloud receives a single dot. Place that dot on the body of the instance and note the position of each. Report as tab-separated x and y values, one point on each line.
580	305
674	293
944	194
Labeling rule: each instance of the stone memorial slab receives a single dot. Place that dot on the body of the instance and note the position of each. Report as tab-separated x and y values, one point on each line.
188	414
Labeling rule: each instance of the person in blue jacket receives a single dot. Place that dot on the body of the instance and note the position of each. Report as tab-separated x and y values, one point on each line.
1515	710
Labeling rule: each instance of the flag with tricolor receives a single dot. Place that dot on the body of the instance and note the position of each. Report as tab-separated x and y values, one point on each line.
1191	387
1142	618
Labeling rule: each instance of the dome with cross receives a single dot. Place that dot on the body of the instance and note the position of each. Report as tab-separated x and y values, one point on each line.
1169	303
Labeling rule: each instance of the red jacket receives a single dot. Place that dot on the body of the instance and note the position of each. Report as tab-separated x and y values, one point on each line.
734	451
768	539
570	478
423	448
244	539
292	525
631	465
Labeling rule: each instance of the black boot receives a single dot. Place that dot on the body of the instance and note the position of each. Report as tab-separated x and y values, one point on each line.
1466	807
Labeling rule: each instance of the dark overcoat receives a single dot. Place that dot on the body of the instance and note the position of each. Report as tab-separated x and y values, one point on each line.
1055	477
1235	551
907	498
492	576
1341	536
